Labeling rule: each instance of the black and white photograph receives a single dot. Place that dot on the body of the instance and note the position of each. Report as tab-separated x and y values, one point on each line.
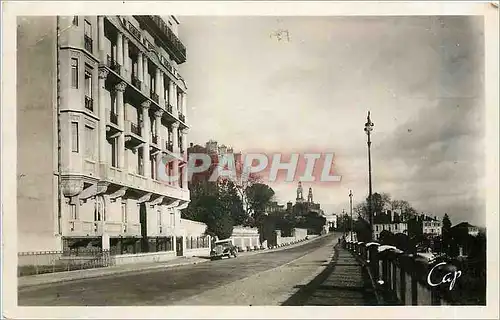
284	157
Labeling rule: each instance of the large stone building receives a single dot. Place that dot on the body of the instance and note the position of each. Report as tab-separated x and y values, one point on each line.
99	108
389	220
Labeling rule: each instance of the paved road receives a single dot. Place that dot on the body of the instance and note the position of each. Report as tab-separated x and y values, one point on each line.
263	279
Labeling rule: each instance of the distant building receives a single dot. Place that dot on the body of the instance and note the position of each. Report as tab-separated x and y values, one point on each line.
389	220
432	226
465	227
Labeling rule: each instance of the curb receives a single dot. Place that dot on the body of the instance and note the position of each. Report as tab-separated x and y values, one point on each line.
108	272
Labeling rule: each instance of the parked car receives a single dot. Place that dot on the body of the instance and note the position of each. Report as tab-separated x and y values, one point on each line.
223	248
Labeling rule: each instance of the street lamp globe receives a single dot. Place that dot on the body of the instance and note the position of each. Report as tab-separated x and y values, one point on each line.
368	125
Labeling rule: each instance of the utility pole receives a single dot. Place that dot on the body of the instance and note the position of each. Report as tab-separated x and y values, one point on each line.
350	203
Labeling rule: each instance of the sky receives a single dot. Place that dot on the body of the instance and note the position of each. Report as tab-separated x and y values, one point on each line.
302	83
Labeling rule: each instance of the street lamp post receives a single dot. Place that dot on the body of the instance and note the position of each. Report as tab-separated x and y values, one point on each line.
368	129
344	222
350	203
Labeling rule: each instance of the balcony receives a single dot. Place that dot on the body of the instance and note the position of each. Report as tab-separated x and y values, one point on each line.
88	43
154	139
112	64
89	103
136	82
182	117
112	128
134	31
169	145
79	228
132	229
135	129
112	228
139	182
113	117
154	96
171	42
133	135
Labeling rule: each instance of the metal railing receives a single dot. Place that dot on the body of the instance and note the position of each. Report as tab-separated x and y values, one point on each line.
135	129
89	103
136	82
32	263
113	117
134	31
170	146
154	96
154	138
88	43
112	64
401	278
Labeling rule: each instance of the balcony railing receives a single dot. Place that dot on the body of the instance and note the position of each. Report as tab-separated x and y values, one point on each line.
136	82
113	65
88	43
154	138
113	117
172	42
182	117
89	103
134	31
154	96
170	146
135	129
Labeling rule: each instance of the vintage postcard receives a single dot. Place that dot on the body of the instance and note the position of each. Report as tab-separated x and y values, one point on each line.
244	160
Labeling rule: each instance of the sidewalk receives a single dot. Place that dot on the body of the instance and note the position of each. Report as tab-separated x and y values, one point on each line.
343	283
48	278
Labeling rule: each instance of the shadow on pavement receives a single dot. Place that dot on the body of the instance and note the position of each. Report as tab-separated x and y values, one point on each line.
341	288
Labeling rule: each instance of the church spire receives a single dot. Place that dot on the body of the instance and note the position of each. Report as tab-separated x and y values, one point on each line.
310	195
300	196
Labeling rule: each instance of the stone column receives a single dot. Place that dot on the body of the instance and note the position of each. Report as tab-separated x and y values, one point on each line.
140	70
158	115
120	113
146	135
184	172
102	38
159	163
126	66
175	163
175	137
157	84
119	51
103	74
145	77
173	98
184	106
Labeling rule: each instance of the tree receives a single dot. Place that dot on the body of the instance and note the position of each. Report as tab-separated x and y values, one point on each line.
407	210
379	200
258	196
231	202
446	234
246	181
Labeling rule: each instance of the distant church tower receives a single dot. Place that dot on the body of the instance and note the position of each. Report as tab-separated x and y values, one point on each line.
300	196
310	196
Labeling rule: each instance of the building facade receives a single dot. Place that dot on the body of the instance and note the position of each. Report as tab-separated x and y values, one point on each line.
432	227
101	105
389	220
